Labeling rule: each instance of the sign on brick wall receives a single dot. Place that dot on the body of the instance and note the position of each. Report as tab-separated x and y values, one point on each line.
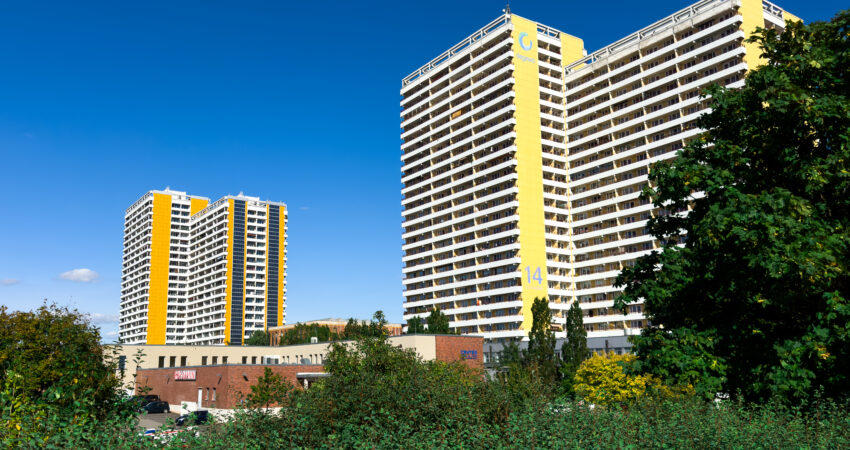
184	375
469	354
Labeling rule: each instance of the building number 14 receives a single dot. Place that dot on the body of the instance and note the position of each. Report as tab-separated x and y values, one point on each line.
537	276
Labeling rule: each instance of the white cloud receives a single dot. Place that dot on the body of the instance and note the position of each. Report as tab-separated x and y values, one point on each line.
81	275
103	318
9	281
111	334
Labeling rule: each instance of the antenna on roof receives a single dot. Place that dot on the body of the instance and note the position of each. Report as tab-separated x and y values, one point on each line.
507	9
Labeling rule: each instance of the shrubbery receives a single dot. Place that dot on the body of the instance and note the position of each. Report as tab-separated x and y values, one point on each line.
380	396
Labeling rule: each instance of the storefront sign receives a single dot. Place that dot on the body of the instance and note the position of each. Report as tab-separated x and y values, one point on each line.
184	375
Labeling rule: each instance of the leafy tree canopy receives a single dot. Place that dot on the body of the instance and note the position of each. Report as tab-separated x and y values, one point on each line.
541	341
53	368
574	350
760	285
438	323
259	337
302	333
416	326
356	329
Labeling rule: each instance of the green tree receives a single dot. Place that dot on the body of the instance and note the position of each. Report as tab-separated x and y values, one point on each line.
759	266
302	333
356	329
574	350
258	337
541	341
54	372
438	323
682	357
270	389
378	325
416	326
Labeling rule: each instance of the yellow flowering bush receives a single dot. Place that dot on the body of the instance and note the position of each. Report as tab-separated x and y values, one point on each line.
603	380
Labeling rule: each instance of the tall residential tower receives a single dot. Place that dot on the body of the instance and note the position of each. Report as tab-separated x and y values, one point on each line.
200	273
523	159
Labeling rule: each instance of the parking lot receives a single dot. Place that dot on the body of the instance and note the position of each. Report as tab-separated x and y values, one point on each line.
156	420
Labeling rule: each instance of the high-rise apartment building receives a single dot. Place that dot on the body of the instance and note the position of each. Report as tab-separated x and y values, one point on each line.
201	273
523	159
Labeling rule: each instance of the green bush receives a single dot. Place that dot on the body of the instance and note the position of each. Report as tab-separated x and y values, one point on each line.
380	396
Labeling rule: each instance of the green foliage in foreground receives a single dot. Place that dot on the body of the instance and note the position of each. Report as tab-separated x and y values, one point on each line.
384	397
757	301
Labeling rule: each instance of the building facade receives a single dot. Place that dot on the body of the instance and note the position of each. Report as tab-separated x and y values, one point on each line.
523	159
177	372
201	273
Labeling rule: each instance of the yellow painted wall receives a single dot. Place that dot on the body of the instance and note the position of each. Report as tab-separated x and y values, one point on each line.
197	204
753	15
160	252
281	273
228	289
529	167
572	49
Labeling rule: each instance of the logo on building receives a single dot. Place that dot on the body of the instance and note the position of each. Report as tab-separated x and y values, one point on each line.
184	375
471	355
525	41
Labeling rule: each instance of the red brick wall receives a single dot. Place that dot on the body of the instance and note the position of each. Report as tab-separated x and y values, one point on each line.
229	382
449	348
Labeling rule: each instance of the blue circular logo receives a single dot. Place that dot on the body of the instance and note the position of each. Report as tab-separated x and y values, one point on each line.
522	38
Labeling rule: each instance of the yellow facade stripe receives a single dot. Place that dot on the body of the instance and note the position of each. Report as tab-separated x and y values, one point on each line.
529	166
197	204
281	249
572	49
228	289
158	287
753	14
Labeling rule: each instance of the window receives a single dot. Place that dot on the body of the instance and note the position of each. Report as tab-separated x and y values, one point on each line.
253	360
172	361
213	399
207	397
244	360
223	361
182	360
203	360
161	362
215	360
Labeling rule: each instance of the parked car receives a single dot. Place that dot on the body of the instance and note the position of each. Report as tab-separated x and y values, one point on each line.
143	400
197	418
157	407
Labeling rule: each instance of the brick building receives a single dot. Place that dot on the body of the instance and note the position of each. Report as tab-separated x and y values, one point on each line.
222	386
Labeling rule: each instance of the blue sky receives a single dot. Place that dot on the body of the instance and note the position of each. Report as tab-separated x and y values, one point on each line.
101	102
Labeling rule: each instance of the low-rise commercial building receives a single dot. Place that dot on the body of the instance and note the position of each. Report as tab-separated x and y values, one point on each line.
205	375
